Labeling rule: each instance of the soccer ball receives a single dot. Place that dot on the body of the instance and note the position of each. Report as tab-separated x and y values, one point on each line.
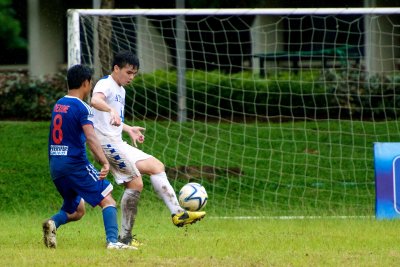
193	197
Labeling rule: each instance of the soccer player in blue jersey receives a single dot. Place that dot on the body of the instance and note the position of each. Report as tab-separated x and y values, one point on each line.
128	163
75	178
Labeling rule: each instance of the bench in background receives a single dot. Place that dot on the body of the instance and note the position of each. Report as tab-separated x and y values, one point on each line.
342	54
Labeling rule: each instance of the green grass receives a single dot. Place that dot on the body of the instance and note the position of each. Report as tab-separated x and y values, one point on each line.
211	242
323	183
293	168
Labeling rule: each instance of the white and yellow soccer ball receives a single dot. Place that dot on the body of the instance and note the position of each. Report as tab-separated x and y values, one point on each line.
193	197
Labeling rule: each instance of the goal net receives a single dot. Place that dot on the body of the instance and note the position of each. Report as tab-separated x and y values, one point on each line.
274	111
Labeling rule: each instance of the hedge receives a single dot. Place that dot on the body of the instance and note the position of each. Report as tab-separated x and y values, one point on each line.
216	94
330	94
22	98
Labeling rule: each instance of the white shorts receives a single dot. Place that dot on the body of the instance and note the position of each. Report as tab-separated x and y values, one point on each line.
122	158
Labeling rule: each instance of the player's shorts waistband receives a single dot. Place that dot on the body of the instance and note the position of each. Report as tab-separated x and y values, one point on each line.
107	138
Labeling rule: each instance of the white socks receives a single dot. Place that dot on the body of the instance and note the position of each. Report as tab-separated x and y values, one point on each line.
129	204
165	191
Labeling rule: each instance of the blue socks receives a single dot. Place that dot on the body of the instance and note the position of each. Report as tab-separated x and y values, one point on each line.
109	218
60	218
110	223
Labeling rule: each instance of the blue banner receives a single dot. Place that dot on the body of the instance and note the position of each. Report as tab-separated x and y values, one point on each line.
387	180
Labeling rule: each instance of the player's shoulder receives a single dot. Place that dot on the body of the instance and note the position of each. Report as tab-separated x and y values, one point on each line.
104	80
79	103
103	84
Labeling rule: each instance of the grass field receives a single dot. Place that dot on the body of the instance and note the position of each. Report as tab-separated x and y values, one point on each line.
211	242
289	168
28	197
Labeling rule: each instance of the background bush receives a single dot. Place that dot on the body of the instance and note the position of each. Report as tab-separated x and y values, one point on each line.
359	95
332	94
214	94
29	99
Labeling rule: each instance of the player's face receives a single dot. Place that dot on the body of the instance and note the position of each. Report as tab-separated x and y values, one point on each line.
88	87
126	74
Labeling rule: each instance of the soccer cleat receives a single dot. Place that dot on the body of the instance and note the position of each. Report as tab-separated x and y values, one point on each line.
131	241
119	245
187	217
136	243
49	233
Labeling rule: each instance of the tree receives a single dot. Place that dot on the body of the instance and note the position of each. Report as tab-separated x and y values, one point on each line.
10	28
105	52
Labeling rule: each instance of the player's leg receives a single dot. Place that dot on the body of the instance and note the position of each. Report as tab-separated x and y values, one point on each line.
98	192
156	169
110	221
63	217
129	207
109	212
122	158
159	180
79	213
73	209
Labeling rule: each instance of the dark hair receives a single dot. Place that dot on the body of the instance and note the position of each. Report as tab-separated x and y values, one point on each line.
123	58
77	74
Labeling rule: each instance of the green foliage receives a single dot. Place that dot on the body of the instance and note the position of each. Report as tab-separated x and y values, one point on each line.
153	95
216	94
10	28
25	98
334	94
361	95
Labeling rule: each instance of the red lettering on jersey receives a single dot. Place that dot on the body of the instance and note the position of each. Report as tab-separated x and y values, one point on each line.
61	108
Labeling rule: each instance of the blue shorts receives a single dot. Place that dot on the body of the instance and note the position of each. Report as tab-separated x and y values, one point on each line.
82	184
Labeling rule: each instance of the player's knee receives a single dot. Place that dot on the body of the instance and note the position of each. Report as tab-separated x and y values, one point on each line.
76	216
107	201
79	214
158	166
136	184
139	185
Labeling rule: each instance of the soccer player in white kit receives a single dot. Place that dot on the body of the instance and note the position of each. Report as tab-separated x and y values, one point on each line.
128	163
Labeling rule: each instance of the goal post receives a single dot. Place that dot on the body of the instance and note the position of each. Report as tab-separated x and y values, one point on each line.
274	111
74	14
74	42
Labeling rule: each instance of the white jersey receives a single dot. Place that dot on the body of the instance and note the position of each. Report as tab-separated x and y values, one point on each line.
115	98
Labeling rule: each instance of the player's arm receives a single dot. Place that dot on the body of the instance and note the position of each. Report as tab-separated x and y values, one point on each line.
135	133
95	147
98	101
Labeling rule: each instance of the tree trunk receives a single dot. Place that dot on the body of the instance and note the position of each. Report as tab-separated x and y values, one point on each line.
105	35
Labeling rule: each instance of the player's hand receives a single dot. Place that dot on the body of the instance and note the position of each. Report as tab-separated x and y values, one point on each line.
135	132
115	119
104	171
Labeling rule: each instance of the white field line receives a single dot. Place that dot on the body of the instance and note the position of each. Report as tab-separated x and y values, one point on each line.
286	217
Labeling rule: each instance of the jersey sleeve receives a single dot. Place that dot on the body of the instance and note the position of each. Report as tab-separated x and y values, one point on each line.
85	114
102	86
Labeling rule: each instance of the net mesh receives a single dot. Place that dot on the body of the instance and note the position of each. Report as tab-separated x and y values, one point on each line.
282	111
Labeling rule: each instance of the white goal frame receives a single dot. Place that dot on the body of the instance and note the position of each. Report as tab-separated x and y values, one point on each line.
74	49
73	17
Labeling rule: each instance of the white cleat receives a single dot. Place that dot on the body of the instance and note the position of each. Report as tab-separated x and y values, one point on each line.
119	245
49	234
